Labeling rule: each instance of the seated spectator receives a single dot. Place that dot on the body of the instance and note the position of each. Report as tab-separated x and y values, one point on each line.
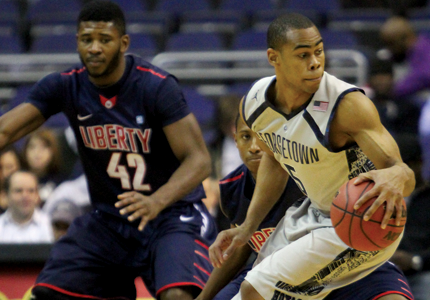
41	156
75	191
424	136
10	161
23	222
63	213
413	254
405	45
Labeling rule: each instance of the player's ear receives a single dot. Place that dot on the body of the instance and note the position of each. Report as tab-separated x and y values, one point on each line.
125	42
272	56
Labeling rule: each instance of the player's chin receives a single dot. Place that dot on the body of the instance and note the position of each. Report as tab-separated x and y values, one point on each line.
253	163
95	73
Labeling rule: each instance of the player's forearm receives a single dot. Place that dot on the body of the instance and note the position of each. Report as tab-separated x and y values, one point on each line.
220	277
271	182
192	171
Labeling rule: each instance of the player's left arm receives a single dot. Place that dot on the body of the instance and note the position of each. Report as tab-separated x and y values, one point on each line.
186	141
358	120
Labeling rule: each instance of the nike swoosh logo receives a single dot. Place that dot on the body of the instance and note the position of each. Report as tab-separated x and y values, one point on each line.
83	118
185	218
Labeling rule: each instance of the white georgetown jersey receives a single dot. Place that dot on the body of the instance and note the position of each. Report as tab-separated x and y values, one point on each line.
300	140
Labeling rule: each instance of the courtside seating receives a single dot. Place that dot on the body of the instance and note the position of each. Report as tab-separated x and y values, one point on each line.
180	6
323	6
194	41
10	44
61	43
142	44
54	11
335	39
205	111
249	40
132	5
248	6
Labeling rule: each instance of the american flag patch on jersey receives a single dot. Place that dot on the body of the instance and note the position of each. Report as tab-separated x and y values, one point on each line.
320	106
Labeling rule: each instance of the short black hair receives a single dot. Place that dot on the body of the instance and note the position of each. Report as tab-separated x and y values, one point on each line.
277	31
103	11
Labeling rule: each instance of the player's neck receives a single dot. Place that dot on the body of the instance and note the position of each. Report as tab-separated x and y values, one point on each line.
288	99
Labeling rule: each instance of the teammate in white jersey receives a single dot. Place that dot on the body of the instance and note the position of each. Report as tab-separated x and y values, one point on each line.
322	132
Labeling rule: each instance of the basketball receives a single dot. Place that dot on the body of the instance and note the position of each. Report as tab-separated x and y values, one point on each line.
350	225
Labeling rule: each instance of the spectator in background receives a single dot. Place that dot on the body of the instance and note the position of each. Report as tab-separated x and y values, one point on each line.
424	135
75	191
229	159
23	222
63	213
405	44
397	116
413	253
41	156
10	161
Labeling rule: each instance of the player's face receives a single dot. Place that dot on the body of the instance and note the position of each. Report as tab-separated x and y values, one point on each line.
247	143
101	48
23	196
301	60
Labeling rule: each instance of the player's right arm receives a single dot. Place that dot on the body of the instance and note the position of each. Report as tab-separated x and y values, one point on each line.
220	277
18	122
270	184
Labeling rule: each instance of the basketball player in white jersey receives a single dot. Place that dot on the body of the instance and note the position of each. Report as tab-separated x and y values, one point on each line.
322	132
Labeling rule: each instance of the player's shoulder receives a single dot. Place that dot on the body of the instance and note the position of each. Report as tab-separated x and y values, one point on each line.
234	176
147	69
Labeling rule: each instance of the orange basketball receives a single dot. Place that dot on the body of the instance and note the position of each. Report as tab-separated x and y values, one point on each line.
350	226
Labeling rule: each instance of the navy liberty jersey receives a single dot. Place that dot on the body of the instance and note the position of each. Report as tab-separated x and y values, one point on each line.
236	191
119	129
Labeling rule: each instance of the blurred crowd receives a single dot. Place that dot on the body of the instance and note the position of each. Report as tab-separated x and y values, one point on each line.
43	188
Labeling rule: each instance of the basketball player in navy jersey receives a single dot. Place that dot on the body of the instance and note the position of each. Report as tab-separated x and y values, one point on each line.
144	158
321	132
236	191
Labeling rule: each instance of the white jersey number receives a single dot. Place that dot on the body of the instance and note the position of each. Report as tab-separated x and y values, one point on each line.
115	170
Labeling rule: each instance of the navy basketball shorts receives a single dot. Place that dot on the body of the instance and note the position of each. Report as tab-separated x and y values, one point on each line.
385	280
101	255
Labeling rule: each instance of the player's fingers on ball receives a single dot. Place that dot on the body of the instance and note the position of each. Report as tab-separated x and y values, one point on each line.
399	211
373	208
365	197
389	210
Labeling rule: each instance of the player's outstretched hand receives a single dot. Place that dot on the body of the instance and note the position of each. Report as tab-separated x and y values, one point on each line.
388	188
226	243
138	206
